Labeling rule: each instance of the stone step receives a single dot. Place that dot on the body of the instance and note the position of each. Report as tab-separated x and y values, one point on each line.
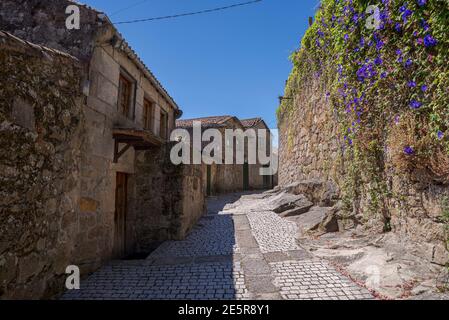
300	208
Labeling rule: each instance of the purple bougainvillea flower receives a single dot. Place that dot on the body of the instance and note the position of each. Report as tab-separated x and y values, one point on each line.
408	63
399	52
424	88
398	27
412	84
415	104
378	61
430	41
383	75
422	2
346	37
409	150
440	135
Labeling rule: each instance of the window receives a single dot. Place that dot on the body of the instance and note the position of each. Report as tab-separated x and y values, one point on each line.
125	98
163	125
148	113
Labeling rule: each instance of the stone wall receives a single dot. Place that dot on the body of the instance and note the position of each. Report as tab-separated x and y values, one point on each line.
43	22
169	199
310	148
77	224
40	122
308	138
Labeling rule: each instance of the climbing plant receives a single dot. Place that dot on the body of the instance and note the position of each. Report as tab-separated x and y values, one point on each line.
387	81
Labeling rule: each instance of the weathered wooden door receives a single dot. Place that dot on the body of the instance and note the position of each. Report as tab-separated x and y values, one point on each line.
121	206
246	176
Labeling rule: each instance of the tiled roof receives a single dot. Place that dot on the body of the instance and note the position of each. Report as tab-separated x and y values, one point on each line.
205	122
249	123
129	51
45	50
141	65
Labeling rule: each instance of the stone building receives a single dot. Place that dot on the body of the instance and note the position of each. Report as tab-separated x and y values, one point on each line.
85	169
255	180
225	178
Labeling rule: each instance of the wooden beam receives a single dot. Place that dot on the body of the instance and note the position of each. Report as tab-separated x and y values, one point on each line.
117	153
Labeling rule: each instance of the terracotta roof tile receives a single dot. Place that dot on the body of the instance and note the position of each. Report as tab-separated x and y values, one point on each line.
249	123
205	122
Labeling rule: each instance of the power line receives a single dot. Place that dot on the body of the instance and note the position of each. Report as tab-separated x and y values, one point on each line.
129	7
190	13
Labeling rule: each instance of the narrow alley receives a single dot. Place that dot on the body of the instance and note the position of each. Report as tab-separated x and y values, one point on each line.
239	250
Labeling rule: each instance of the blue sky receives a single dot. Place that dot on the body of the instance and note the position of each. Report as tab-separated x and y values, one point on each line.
232	62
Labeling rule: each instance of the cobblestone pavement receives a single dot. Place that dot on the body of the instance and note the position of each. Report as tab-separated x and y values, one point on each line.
235	252
315	280
120	280
202	267
213	236
273	233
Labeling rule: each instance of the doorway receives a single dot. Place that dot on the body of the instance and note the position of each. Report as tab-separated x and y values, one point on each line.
121	208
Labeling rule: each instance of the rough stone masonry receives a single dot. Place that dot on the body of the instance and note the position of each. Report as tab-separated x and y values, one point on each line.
60	165
40	121
309	150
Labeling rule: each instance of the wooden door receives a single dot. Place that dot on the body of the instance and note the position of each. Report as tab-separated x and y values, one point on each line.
121	206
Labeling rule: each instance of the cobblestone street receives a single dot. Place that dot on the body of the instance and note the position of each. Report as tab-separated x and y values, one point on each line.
235	252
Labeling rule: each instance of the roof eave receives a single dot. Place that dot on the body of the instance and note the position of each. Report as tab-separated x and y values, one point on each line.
123	45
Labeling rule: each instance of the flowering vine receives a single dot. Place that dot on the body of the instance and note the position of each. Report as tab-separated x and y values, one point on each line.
389	85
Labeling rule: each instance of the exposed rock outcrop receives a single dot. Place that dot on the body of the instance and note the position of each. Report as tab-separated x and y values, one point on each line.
393	266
